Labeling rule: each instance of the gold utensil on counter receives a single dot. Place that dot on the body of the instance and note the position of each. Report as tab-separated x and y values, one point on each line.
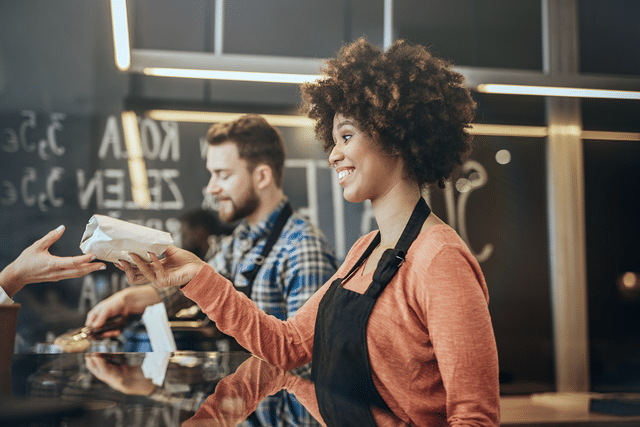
79	340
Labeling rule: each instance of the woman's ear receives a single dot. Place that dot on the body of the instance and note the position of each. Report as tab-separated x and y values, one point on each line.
262	176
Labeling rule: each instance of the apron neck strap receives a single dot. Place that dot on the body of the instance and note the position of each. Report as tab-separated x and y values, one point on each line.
392	259
414	225
274	235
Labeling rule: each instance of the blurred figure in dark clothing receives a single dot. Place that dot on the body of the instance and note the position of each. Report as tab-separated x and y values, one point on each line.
201	232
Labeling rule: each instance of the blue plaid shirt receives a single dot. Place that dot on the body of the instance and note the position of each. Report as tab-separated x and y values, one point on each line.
299	263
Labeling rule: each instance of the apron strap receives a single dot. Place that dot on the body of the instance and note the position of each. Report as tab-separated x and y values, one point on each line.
251	274
392	259
374	243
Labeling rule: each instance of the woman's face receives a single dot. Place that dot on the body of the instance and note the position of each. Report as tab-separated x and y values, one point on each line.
364	170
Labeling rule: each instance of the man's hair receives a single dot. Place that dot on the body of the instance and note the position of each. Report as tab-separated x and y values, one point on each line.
258	142
413	102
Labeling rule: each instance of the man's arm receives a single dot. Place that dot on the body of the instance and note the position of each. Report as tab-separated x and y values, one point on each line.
131	300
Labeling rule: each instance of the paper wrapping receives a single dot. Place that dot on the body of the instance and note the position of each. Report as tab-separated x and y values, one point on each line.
112	239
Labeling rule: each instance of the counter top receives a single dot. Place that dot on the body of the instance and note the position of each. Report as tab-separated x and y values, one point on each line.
188	388
559	409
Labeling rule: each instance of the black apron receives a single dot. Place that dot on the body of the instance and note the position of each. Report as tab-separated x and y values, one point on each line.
340	366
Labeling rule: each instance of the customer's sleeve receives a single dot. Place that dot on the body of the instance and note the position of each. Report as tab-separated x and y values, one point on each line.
4	298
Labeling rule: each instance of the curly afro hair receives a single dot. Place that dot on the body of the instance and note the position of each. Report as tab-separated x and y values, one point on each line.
413	102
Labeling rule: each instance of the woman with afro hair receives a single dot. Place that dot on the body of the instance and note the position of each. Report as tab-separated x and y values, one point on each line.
401	335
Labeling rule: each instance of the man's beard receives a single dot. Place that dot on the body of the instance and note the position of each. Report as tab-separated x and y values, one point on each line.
246	207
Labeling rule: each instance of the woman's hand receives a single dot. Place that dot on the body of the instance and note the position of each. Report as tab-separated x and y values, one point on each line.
177	268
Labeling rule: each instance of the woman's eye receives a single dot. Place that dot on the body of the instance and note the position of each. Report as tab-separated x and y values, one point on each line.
346	137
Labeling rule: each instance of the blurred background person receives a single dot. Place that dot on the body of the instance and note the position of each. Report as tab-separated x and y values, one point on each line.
201	232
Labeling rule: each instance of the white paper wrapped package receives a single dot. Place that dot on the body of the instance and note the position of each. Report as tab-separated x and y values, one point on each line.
112	239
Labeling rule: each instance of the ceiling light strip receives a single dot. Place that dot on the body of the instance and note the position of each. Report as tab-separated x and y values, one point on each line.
247	76
302	121
508	130
219	27
119	22
284	120
610	136
557	91
137	166
215	117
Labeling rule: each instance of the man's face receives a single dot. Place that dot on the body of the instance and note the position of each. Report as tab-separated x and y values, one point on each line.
231	182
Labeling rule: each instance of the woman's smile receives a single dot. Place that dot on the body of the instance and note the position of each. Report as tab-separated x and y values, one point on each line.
343	174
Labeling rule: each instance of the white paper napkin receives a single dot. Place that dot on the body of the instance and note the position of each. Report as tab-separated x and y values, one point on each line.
163	344
157	323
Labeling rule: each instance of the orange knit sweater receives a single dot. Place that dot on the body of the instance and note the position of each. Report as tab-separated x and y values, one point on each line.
430	339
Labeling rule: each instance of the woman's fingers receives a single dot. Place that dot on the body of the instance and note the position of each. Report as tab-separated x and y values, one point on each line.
134	274
172	270
158	269
148	271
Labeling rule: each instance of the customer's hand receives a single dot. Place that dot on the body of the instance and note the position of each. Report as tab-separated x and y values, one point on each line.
177	268
35	264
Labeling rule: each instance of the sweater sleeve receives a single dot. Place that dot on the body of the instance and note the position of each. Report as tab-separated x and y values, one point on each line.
285	344
462	335
238	394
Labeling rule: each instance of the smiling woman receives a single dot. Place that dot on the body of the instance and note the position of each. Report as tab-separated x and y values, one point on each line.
393	123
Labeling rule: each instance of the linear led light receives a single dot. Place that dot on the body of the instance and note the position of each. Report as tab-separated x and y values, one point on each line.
283	120
508	130
247	76
137	167
611	136
120	34
215	117
557	91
